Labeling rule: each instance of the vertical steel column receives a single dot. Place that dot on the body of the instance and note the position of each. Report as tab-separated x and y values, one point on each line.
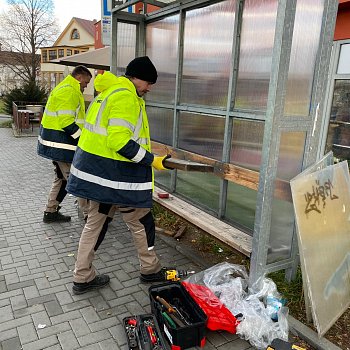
230	102
274	113
315	142
114	46
180	53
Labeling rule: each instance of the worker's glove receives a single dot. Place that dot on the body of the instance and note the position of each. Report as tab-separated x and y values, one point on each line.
158	162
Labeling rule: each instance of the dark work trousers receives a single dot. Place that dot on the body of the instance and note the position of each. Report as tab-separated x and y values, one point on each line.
139	221
58	189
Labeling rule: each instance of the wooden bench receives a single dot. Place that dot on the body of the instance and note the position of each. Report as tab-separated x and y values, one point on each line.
230	235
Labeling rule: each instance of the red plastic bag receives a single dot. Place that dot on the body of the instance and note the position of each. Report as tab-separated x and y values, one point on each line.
219	316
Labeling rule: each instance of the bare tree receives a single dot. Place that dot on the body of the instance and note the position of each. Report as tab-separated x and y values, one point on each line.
26	26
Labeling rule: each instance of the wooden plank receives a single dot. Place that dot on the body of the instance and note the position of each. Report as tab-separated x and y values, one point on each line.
186	165
230	235
233	173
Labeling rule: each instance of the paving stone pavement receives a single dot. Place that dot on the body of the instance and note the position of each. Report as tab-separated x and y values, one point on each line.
36	263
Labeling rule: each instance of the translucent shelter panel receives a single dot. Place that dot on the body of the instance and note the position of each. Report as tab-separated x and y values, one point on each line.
161	47
163	178
246	143
208	38
240	206
126	45
323	227
161	124
344	60
306	37
291	153
200	188
282	217
201	134
255	57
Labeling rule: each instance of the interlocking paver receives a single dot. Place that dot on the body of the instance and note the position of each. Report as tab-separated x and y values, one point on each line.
27	333
37	267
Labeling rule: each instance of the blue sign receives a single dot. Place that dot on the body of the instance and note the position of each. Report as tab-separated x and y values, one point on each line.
106	7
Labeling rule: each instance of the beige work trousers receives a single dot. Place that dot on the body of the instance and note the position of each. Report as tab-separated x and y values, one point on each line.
134	219
58	189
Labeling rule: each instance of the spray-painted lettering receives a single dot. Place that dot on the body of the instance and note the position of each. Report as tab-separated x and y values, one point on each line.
316	200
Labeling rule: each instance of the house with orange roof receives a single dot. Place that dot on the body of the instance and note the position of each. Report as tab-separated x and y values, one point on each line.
77	37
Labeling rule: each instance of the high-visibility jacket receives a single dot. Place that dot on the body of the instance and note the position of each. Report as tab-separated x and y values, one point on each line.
62	120
113	160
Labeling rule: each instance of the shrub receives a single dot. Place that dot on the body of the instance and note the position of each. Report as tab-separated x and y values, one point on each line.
29	92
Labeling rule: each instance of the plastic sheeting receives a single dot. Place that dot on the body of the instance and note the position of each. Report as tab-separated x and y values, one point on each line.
322	205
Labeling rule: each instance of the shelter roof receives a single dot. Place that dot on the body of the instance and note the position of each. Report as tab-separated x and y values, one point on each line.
96	59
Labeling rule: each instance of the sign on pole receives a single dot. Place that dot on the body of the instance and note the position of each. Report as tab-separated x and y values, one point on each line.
106	18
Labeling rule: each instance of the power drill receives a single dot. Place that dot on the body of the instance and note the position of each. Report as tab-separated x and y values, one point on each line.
176	275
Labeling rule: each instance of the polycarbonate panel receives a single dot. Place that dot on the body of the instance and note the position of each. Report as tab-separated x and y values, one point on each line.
240	206
202	134
163	178
282	216
246	143
161	124
344	59
255	57
291	154
200	188
208	39
162	48
126	45
322	201
306	37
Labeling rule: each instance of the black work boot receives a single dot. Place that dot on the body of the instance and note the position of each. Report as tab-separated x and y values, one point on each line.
98	282
55	217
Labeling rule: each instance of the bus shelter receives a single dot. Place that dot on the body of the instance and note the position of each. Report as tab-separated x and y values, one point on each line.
241	86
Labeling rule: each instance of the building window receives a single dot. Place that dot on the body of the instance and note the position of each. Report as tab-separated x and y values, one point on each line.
44	55
75	34
52	55
69	52
76	51
60	53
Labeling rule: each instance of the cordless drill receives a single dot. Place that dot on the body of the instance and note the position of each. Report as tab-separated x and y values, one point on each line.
176	275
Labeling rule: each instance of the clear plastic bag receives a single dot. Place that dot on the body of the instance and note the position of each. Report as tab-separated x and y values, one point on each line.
260	308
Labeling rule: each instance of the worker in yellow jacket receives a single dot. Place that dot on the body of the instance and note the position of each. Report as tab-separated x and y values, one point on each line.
112	167
60	129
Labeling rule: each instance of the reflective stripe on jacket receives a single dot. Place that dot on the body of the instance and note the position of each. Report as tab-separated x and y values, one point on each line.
59	130
113	160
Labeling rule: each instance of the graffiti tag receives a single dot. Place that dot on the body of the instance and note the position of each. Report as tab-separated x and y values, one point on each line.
317	198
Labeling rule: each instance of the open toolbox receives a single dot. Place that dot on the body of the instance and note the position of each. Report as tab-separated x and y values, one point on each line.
178	315
143	333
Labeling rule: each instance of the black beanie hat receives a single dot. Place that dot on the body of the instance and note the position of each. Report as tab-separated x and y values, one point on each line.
142	68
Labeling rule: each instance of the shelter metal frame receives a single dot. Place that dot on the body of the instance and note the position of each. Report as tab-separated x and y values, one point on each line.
275	120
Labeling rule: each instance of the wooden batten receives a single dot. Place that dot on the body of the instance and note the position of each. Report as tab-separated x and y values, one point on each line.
233	173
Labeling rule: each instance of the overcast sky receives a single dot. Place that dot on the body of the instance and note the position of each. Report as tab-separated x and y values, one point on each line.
66	9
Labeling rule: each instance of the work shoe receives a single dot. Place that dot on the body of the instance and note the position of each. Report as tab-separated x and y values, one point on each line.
160	276
56	216
98	282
